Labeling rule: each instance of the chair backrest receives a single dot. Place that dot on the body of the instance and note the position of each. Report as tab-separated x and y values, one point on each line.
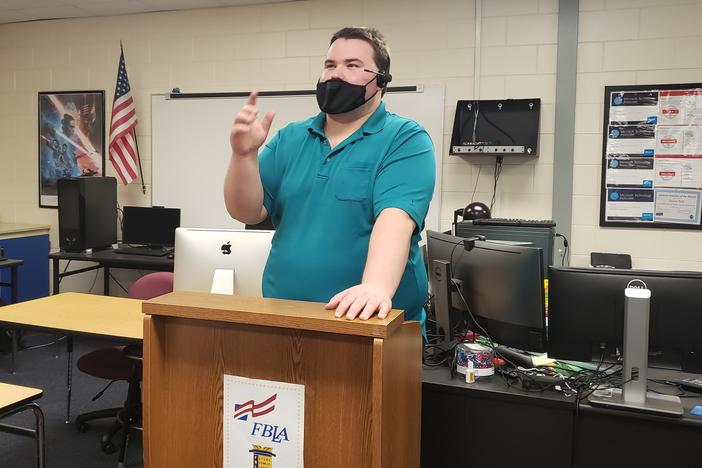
152	285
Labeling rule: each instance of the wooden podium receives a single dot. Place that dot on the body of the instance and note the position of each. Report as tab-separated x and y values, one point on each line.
362	378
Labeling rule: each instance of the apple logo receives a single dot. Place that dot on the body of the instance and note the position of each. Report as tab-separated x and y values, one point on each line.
226	249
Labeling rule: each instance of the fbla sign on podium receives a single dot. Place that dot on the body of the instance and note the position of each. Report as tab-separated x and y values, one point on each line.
264	423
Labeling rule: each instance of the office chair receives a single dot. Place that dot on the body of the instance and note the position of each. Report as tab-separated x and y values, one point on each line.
122	363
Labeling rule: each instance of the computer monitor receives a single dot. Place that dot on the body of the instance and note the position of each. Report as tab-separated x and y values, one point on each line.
503	286
202	254
586	315
541	237
153	226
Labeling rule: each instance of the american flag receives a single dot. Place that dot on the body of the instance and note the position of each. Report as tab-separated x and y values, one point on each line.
242	411
122	145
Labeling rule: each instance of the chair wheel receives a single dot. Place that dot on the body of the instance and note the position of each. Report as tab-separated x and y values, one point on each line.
83	427
108	447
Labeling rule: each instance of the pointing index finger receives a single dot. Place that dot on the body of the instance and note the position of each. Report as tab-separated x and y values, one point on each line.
252	98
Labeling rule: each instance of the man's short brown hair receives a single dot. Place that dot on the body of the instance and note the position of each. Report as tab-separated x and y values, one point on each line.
381	52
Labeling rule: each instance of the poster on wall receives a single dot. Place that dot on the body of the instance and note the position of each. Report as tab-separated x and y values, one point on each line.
652	156
71	139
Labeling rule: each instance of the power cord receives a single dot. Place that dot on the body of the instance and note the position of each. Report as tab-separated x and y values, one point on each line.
497	172
565	248
475	187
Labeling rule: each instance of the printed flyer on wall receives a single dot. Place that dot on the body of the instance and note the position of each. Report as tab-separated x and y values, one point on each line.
652	161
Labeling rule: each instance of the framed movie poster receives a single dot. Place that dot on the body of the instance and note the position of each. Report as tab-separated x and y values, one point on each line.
71	139
652	156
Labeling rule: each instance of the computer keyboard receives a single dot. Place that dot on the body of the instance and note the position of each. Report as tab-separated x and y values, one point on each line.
149	252
693	385
514	222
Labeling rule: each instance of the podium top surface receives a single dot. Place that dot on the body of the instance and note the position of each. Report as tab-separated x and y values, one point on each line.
268	312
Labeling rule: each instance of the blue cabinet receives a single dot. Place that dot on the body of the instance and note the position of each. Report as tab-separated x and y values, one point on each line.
31	244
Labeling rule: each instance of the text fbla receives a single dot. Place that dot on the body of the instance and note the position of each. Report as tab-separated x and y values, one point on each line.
275	433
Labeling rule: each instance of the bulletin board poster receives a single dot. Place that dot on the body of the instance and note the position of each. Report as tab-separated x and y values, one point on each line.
652	156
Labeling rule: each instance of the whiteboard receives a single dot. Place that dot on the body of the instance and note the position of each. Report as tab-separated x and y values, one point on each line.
190	146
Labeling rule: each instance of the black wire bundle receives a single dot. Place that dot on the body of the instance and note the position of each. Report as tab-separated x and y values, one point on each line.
497	172
565	248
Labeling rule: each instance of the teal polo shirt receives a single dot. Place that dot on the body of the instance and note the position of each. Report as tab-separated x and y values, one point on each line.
324	203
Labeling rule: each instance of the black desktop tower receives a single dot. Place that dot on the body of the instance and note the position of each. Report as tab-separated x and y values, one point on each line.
87	209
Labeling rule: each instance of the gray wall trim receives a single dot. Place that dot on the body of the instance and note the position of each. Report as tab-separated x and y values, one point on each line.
562	204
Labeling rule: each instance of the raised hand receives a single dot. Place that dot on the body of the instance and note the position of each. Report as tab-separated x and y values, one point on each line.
249	132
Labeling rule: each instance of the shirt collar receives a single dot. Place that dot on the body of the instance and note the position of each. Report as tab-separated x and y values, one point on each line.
374	124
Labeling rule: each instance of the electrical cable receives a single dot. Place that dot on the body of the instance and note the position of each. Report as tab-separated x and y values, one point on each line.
498	171
565	248
476	114
475	187
120	220
499	129
94	280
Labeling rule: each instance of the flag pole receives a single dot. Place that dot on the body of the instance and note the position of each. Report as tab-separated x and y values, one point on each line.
141	172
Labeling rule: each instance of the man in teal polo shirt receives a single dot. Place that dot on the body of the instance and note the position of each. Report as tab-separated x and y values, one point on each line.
347	190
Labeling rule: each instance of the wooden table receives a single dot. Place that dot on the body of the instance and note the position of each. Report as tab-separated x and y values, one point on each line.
15	399
78	314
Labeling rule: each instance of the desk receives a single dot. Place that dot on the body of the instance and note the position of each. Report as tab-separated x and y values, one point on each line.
15	399
637	439
107	259
12	284
13	265
78	313
492	425
28	242
81	314
487	423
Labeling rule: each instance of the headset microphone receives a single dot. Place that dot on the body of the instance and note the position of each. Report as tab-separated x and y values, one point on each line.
382	78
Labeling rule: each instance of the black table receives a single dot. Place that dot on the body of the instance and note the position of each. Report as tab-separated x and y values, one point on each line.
12	284
107	259
489	424
13	265
637	439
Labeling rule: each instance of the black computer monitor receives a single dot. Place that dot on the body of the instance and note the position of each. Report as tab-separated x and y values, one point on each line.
503	286
586	315
153	226
540	237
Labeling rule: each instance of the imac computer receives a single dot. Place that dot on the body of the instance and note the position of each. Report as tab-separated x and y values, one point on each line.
220	260
586	315
503	286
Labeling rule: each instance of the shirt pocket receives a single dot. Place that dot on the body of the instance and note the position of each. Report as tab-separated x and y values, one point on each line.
353	184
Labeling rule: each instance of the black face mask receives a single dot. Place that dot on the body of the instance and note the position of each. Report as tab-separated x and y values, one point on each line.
337	96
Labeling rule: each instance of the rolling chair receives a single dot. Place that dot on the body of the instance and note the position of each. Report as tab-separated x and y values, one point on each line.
122	363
